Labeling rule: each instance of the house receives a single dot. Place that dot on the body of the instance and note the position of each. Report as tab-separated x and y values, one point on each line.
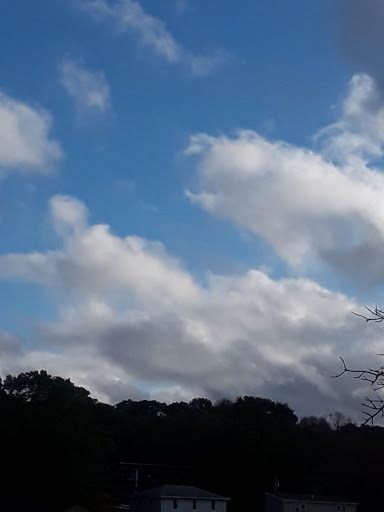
178	498
287	502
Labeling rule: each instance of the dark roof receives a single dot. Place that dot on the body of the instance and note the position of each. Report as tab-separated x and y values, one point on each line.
285	496
181	491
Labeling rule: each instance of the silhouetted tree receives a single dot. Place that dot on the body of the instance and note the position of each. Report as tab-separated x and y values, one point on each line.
60	447
54	452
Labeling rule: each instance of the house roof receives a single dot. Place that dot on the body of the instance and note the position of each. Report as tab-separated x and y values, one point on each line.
181	491
285	496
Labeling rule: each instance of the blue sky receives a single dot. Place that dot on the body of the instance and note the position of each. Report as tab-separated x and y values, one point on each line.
191	195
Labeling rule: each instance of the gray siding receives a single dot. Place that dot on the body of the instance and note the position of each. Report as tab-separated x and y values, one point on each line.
186	505
183	505
274	504
318	507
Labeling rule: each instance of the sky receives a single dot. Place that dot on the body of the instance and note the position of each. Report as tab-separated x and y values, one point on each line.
191	196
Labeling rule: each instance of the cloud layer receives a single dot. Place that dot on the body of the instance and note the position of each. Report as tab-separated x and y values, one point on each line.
325	204
133	322
128	16
25	141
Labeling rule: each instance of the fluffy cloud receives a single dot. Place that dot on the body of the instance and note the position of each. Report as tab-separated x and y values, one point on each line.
89	89
358	136
133	322
128	16
25	142
325	204
96	261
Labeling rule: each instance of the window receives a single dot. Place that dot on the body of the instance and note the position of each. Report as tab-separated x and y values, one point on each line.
174	504
213	505
194	504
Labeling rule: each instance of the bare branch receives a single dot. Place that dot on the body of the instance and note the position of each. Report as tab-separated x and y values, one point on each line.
373	407
377	314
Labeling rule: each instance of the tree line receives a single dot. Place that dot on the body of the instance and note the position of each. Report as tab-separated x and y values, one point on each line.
60	447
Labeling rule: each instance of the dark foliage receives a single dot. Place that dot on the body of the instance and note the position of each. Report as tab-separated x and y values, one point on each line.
60	447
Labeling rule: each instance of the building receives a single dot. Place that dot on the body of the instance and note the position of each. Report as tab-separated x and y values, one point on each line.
287	502
132	477
178	498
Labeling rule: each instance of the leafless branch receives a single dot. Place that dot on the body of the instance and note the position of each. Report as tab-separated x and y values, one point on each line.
377	314
373	407
377	408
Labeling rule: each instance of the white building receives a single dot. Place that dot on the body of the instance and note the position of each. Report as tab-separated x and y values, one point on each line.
287	502
178	498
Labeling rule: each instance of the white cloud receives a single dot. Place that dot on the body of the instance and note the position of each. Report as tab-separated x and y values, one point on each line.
359	134
89	89
326	204
68	214
129	16
129	313
25	142
96	261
